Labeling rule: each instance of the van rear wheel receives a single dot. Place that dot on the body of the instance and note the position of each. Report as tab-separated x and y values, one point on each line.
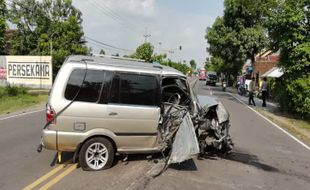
96	154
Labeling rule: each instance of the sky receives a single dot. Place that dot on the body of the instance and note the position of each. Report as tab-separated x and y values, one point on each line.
169	24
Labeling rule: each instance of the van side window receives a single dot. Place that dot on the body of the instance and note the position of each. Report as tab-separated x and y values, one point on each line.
91	86
114	93
134	89
108	76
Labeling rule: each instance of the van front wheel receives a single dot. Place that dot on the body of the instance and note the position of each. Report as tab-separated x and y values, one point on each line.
96	154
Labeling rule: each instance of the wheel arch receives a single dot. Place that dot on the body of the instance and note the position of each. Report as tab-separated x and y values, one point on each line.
78	149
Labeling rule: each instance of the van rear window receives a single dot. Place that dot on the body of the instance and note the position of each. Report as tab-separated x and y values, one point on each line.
90	89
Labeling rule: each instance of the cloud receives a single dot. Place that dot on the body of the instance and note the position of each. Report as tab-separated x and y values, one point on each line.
131	7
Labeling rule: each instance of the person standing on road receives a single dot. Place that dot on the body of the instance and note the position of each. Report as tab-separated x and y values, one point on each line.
264	91
251	91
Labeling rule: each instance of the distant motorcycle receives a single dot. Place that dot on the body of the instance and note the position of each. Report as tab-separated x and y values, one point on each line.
224	86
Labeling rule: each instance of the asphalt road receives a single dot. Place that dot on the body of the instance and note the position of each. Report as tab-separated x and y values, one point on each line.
263	158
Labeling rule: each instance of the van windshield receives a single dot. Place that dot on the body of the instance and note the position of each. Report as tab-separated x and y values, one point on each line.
211	76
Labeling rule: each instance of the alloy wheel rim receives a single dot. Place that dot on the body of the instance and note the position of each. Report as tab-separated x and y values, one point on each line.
96	156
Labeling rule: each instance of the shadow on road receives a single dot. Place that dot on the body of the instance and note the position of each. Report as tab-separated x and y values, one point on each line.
244	158
188	165
249	159
65	157
136	157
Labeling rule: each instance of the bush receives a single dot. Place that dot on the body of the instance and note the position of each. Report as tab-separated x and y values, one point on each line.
299	90
12	91
293	96
2	92
280	95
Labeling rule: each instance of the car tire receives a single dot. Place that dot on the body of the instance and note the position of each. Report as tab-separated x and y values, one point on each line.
96	154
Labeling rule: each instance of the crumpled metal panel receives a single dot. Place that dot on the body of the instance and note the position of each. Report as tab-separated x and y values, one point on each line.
206	101
222	113
185	144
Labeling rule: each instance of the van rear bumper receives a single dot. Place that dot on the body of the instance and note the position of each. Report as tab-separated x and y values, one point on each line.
67	141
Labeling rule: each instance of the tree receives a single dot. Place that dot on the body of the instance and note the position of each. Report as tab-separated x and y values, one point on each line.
289	32
193	64
144	52
238	35
2	26
102	52
178	66
224	45
216	64
159	57
45	27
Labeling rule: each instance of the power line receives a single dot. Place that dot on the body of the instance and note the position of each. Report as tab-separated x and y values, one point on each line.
118	15
117	19
108	45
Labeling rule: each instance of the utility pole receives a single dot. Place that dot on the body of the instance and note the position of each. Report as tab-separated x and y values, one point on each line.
146	35
51	43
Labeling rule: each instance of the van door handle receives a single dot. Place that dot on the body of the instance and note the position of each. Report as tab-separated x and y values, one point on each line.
112	114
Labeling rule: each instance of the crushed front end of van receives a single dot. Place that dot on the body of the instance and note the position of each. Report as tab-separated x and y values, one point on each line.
200	133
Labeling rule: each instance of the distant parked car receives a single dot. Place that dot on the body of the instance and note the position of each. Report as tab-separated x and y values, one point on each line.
211	79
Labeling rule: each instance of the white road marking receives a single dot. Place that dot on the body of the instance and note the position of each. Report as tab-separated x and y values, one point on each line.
21	114
277	126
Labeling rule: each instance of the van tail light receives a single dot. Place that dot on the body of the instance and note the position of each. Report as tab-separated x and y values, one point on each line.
50	114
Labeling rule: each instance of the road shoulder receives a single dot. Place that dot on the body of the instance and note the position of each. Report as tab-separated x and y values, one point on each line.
32	109
289	130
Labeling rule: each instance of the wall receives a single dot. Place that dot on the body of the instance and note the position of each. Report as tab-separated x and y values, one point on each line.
30	71
264	66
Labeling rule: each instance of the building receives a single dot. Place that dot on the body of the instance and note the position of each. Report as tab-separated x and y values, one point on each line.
264	62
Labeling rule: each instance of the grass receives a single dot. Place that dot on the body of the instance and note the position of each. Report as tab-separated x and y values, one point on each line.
18	99
297	127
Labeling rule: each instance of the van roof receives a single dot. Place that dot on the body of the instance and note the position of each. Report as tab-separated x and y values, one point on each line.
124	64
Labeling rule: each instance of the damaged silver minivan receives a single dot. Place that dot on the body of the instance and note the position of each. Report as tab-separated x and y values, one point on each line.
100	106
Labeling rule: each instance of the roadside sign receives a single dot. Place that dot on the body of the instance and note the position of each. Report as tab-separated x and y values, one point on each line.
30	71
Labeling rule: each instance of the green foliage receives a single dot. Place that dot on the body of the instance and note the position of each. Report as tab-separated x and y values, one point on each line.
289	31
2	92
2	25
216	64
182	67
144	52
193	64
293	96
12	91
21	101
299	90
239	34
281	95
102	52
47	26
159	58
